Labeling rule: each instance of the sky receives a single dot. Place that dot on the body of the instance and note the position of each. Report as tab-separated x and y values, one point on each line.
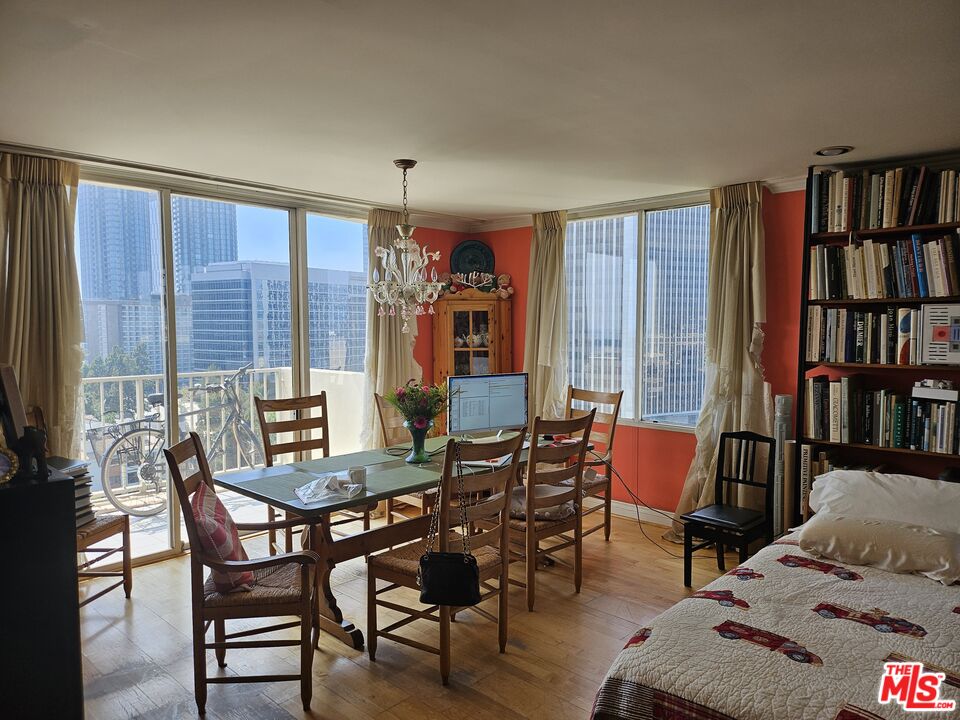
263	234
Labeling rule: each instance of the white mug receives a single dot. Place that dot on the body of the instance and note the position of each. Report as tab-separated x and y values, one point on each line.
358	476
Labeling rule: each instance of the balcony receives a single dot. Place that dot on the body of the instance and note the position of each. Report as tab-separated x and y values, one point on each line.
217	405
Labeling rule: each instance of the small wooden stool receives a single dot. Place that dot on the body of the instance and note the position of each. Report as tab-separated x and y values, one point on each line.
100	529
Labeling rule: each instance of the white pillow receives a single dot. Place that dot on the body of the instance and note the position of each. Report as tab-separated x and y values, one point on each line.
899	498
891	546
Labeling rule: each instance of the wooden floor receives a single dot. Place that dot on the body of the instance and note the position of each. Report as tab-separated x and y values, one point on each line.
138	663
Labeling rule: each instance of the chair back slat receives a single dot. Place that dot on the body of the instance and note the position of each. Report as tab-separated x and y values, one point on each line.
568	456
392	431
189	450
737	457
539	502
607	407
310	431
487	494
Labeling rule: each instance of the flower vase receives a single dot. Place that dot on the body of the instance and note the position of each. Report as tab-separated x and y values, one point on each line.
418	453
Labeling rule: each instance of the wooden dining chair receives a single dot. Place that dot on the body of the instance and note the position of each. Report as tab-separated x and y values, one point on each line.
310	428
554	477
392	433
114	525
487	507
600	458
724	522
284	585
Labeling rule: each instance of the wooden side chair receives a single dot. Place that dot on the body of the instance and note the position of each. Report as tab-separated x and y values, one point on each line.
724	523
487	497
392	432
103	527
554	477
284	585
301	426
601	458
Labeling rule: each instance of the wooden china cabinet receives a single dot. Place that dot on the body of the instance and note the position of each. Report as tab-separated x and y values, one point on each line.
471	335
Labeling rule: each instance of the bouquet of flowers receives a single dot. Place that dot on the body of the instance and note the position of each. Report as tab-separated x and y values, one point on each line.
419	404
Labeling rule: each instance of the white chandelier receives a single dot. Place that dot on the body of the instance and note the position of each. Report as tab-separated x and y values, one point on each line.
404	288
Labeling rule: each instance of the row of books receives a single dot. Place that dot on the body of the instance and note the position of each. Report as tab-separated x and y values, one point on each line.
844	411
813	463
862	199
840	335
875	270
82	483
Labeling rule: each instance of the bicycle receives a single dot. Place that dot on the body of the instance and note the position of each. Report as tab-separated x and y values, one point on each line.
133	470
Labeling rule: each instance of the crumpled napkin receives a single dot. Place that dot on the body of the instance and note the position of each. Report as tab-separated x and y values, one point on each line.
328	487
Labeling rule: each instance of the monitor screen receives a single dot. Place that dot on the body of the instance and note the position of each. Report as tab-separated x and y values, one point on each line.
478	403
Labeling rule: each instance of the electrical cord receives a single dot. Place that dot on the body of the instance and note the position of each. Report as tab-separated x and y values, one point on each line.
637	502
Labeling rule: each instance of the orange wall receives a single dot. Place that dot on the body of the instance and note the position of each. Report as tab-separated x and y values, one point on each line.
444	241
654	462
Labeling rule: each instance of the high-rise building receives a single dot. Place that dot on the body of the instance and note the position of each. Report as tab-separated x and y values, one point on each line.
241	314
204	233
118	242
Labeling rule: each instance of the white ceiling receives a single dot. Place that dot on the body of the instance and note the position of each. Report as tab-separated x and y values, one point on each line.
509	106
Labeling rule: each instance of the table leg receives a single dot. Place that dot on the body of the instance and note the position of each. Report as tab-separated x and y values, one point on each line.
331	618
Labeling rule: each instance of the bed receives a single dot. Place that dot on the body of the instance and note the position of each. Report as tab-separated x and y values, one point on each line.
786	636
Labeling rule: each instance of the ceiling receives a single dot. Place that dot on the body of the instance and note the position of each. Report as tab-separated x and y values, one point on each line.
510	107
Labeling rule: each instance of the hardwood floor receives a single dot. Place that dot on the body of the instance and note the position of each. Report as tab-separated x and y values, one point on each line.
138	662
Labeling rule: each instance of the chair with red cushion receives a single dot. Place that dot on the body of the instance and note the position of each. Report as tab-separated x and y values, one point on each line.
239	588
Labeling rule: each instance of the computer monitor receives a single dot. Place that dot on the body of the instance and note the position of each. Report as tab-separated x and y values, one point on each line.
484	403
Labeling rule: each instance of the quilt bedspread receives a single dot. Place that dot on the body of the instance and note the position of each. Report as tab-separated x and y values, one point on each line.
786	636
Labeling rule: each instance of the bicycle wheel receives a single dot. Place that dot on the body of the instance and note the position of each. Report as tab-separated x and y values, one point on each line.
249	445
134	472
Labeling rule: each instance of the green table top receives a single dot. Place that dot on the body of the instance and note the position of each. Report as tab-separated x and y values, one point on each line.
388	475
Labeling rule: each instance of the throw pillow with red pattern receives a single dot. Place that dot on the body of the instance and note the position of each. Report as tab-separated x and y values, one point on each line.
219	539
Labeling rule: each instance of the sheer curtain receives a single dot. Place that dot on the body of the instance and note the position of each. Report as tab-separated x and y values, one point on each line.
545	357
41	324
389	353
736	396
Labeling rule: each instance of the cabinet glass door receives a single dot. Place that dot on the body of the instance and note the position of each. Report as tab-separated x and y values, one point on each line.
471	341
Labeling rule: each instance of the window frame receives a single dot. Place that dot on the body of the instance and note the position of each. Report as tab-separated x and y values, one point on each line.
640	208
297	207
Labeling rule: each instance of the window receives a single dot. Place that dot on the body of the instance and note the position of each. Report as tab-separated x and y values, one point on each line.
637	304
222	271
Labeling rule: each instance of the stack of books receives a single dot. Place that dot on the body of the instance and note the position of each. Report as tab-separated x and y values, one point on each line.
863	199
868	270
78	470
845	411
889	336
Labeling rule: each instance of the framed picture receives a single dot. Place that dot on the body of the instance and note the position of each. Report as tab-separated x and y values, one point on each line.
13	416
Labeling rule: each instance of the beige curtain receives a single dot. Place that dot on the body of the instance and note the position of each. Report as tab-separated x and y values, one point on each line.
545	358
736	397
41	323
389	354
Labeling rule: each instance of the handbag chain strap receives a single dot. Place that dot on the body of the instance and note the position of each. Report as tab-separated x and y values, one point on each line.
435	515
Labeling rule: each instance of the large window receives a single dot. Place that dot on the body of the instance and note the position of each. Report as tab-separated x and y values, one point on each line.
636	293
242	331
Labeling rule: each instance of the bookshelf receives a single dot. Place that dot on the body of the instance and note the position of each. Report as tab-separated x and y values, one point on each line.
860	213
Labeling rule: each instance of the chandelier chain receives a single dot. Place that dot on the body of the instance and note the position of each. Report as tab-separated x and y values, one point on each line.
406	215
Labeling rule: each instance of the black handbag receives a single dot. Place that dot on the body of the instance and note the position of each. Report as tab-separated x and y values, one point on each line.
449	578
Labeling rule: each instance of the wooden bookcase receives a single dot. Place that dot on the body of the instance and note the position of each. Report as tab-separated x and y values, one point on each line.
898	376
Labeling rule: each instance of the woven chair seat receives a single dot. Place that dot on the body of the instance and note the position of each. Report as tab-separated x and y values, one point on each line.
406	559
273	585
521	525
102	524
595	482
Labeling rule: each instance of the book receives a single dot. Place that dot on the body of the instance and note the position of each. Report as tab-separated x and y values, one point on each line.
903	336
835	407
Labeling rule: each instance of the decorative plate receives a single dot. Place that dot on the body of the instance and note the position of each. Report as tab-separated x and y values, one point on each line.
471	256
9	464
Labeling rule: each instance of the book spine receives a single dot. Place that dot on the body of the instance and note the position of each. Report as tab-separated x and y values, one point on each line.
888	199
835	406
920	265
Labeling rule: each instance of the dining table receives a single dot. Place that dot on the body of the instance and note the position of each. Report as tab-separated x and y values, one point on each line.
388	475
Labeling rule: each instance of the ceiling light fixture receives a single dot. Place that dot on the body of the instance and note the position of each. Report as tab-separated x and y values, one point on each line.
404	287
834	150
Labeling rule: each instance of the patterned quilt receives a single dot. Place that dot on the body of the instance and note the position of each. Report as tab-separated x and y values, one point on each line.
786	636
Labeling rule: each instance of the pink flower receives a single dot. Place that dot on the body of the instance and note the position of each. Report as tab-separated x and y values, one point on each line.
401	392
420	423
